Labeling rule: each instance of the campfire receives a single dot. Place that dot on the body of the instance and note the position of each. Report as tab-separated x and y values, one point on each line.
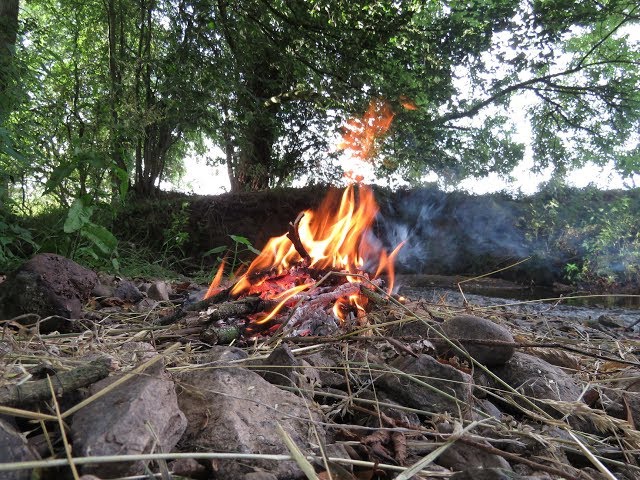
316	277
319	276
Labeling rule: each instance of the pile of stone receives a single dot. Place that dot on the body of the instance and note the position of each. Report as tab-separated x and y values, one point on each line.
428	392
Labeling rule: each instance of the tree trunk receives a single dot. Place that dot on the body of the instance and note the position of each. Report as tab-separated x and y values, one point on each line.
259	134
8	33
114	22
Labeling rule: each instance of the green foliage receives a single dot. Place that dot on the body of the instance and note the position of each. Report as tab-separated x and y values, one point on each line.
90	241
16	242
177	235
596	233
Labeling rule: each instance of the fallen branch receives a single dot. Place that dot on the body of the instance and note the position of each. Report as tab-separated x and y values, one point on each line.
64	382
214	335
182	310
321	301
238	308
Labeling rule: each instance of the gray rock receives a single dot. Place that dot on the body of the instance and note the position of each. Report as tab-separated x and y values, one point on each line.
260	476
128	292
279	367
104	291
481	473
615	402
539	380
159	291
437	376
221	355
329	365
236	410
14	448
187	467
47	285
128	420
470	327
460	456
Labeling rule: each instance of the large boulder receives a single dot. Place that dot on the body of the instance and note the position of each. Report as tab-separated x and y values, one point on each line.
47	285
235	410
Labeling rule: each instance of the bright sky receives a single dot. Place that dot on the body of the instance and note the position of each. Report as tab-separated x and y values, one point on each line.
202	179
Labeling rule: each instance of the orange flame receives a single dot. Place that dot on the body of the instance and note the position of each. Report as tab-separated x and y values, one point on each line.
215	283
359	134
333	236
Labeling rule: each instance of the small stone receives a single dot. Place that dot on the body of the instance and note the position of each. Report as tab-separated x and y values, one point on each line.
470	327
103	291
480	473
159	291
279	367
536	379
187	467
130	419
329	365
221	355
128	292
260	476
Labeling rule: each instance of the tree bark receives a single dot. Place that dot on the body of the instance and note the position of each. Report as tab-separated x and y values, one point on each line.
8	32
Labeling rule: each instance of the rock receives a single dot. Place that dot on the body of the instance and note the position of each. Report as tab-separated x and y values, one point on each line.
460	456
128	292
539	380
103	291
118	423
621	403
47	285
14	448
188	467
481	473
235	410
280	367
328	363
159	291
427	369
470	327
260	476
221	355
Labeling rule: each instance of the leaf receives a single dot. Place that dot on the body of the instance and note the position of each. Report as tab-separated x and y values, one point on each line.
59	174
215	250
79	215
245	241
100	237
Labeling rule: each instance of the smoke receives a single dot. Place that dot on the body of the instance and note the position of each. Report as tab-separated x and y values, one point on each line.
450	233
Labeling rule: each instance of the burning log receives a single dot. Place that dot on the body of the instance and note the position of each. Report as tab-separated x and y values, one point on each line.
294	236
306	311
238	308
